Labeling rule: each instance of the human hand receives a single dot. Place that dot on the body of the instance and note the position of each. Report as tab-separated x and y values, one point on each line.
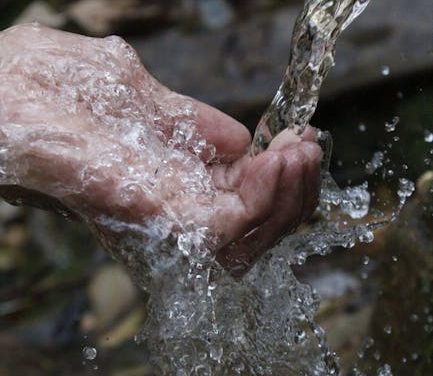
84	126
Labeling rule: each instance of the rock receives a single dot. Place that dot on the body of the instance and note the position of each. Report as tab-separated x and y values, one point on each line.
15	237
97	17
239	68
424	186
111	295
124	330
104	17
41	12
402	321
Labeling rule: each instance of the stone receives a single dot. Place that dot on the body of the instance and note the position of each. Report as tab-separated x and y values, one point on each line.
41	12
402	321
111	293
98	17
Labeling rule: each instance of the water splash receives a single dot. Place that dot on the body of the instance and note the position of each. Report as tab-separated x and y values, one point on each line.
201	320
89	353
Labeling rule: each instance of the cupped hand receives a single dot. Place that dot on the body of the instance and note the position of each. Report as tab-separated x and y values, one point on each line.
84	126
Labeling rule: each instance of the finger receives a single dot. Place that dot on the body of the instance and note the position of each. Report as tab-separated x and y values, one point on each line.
230	138
229	176
237	214
286	215
289	137
284	139
310	134
296	199
313	157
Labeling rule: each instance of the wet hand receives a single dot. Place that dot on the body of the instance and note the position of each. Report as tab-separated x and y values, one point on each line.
84	125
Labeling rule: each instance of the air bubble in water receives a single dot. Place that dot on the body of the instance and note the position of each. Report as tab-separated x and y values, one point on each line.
89	353
216	353
300	336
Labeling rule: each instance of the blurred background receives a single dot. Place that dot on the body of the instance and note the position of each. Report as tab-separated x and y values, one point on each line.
60	292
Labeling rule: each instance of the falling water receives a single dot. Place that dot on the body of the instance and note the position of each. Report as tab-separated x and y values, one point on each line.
311	57
201	320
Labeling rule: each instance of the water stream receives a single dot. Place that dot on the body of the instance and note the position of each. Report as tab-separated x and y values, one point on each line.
201	320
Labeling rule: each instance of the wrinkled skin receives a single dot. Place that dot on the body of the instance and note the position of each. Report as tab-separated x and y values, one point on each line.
69	108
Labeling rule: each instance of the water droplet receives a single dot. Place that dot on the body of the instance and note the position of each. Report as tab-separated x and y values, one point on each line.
428	136
406	188
385	370
362	127
385	70
375	163
365	260
387	329
366	237
89	353
394	258
216	353
356	201
414	317
369	342
376	355
390	127
300	337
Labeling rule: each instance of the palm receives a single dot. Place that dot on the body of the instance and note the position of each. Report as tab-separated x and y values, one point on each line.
87	125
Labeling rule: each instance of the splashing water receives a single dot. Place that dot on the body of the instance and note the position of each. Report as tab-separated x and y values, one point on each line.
201	320
89	353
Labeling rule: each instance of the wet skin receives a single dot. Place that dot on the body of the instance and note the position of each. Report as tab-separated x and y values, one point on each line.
256	201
